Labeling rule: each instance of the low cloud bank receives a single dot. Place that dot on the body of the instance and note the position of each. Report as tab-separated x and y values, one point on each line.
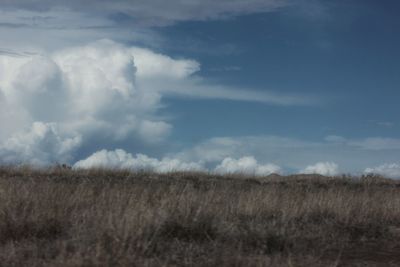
246	165
390	170
322	168
120	159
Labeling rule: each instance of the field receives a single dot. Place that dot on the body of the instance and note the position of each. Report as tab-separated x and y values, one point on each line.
63	217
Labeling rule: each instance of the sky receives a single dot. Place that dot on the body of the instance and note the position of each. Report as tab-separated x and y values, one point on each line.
255	86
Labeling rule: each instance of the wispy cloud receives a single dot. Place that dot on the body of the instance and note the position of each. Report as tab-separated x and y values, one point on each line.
153	12
198	88
59	23
386	124
369	143
12	53
294	154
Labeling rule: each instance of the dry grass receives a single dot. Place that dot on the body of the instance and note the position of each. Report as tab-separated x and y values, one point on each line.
62	217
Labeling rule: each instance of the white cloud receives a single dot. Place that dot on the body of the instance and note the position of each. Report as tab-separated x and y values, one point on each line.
40	145
104	92
391	170
87	91
157	65
54	71
120	159
322	168
246	165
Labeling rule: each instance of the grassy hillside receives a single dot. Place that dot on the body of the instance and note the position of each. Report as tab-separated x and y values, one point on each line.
61	217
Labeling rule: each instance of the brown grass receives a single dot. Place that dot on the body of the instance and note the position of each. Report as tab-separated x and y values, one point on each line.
63	217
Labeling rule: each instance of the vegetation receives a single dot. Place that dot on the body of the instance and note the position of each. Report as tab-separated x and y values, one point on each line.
64	217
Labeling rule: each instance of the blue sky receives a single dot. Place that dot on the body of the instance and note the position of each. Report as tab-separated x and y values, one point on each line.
346	58
251	86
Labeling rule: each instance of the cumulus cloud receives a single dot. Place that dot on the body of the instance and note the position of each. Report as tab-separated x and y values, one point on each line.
322	168
120	159
104	92
390	170
40	145
87	91
55	72
246	165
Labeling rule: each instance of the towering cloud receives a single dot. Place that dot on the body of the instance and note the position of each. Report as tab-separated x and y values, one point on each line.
104	94
86	94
